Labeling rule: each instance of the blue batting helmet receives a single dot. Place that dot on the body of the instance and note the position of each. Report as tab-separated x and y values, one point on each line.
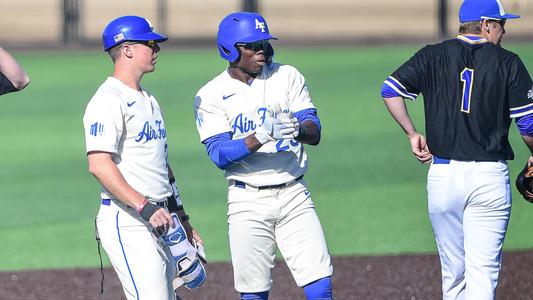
129	28
240	27
477	10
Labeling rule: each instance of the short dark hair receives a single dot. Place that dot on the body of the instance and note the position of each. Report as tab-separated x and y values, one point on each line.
470	27
114	52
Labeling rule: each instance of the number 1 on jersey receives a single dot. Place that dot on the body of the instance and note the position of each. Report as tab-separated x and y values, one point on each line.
467	77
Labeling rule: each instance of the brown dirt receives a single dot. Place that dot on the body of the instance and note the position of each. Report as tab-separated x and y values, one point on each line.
377	277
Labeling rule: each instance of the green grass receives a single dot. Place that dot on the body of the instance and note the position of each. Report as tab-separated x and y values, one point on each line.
369	190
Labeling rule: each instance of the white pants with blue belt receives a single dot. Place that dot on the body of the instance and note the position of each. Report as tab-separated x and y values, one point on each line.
469	206
142	261
261	220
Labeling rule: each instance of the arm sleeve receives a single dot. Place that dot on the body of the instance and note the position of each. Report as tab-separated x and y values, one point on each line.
308	114
224	151
407	80
525	124
103	122
389	92
6	86
520	90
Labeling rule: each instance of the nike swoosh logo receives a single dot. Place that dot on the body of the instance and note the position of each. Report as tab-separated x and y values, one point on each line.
131	103
307	193
226	97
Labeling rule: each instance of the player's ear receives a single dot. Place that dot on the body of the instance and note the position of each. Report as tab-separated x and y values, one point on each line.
127	51
485	25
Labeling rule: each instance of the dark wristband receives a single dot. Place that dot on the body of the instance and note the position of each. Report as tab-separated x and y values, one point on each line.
148	210
184	218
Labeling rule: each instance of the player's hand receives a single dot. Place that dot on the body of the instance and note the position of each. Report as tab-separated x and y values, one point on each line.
196	237
420	148
198	243
161	220
277	126
286	128
157	216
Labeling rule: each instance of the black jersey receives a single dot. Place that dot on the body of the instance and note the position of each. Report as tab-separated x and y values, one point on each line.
472	88
5	85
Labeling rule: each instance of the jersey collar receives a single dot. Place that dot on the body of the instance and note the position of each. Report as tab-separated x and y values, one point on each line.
472	39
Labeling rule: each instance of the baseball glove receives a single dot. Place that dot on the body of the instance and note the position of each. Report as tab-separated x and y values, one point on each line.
524	183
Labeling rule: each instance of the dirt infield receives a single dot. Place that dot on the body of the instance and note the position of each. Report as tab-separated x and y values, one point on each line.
380	277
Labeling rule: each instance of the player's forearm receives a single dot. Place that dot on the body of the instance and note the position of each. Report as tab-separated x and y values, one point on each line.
177	207
107	173
252	144
174	203
12	70
309	133
398	110
529	142
170	172
224	151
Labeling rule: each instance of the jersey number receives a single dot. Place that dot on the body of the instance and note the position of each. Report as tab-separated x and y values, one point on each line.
281	146
467	77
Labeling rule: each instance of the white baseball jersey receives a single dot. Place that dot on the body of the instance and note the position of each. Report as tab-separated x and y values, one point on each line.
129	124
228	105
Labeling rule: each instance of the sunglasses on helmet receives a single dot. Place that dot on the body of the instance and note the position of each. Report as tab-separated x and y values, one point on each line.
151	44
255	46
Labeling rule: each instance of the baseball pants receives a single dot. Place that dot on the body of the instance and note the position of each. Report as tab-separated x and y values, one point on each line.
141	260
261	219
469	207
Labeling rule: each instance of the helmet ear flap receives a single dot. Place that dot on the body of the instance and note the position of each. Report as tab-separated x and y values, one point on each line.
269	54
224	50
230	54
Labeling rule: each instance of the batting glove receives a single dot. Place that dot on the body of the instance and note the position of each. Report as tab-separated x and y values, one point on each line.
277	126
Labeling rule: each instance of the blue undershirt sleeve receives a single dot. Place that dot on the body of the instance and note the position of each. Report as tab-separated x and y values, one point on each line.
224	151
308	114
388	92
525	125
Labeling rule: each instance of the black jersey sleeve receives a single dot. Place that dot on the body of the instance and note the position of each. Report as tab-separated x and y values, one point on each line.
407	80
520	89
5	85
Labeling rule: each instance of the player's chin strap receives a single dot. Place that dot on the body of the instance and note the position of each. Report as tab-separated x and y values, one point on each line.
98	242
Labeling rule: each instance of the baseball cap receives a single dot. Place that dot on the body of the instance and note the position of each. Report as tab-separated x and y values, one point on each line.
477	10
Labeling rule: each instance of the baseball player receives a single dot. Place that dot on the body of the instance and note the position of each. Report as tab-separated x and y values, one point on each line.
472	89
127	152
12	76
253	119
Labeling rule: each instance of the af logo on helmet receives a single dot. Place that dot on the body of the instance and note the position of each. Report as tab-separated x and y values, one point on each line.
260	25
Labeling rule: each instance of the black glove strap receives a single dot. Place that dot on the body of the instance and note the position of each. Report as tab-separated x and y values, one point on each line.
172	204
184	218
148	210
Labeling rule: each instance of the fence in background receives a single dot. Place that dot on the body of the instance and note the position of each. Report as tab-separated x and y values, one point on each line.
81	21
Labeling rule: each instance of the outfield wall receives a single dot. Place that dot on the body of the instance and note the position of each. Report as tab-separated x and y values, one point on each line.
31	21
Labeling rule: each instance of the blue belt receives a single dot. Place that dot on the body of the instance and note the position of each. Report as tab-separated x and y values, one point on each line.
440	161
162	203
242	185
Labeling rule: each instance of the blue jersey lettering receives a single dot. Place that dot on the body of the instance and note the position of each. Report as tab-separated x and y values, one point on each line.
149	133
